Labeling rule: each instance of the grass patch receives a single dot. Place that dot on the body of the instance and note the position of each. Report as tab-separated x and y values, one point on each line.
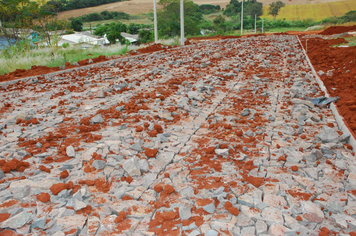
54	56
351	42
284	29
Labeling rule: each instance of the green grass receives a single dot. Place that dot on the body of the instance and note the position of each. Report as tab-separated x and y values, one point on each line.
284	29
53	56
16	57
350	42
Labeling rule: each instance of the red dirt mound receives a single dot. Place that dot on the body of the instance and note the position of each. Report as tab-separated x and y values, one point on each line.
339	67
152	48
338	30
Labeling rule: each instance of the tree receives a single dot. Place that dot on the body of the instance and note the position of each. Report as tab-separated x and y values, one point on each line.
251	8
21	17
233	8
254	8
274	8
113	36
77	25
208	8
169	18
133	28
145	36
14	15
219	20
112	31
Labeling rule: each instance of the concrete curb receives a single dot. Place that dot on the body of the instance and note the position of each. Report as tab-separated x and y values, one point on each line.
339	119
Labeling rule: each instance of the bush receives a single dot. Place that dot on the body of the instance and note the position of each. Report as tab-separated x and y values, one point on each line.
208	8
145	36
104	15
350	16
77	25
219	20
133	28
115	35
121	16
92	17
112	31
65	45
207	25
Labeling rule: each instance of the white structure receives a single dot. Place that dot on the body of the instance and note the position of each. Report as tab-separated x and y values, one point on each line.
132	38
82	38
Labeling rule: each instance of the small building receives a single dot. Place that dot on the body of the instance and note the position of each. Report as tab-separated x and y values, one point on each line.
84	38
132	38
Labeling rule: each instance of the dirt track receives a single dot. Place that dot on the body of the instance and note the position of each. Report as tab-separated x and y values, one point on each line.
216	137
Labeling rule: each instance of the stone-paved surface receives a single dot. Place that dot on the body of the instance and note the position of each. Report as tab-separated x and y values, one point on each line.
217	138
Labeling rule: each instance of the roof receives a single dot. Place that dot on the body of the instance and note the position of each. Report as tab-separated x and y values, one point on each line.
79	37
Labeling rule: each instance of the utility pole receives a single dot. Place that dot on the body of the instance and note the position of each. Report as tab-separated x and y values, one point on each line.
255	23
181	22
155	20
242	16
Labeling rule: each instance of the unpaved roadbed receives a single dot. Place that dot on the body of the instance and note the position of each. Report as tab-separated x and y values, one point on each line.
216	138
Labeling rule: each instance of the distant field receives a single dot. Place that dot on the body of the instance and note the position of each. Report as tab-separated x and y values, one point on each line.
145	6
317	11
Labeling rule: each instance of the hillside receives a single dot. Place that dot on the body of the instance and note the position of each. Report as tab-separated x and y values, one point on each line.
144	6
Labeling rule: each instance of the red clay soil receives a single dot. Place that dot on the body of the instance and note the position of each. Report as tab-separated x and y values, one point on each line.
342	82
153	48
304	32
338	30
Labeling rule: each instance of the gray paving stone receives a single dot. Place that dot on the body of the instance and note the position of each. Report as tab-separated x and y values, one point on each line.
210	208
99	164
132	167
97	119
17	221
70	151
312	212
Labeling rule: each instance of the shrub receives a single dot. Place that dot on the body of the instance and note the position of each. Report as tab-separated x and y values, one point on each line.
65	45
133	28
145	36
77	25
208	8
